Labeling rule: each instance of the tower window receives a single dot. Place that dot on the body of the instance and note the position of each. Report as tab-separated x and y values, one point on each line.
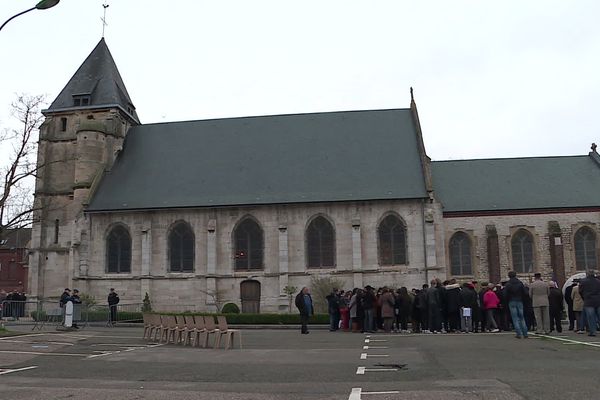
81	100
63	124
56	228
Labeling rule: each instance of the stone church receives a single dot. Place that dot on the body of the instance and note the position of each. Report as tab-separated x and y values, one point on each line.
240	208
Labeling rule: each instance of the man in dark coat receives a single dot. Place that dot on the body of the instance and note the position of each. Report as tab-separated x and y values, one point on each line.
113	300
304	304
453	304
65	297
589	289
333	308
433	307
516	295
555	302
469	299
569	301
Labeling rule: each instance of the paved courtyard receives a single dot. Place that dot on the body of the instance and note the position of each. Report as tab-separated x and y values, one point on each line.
104	363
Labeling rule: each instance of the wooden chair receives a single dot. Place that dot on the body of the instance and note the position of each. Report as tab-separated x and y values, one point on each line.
147	324
211	329
169	330
223	330
185	324
157	327
197	330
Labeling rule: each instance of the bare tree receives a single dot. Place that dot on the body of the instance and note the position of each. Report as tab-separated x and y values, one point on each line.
18	147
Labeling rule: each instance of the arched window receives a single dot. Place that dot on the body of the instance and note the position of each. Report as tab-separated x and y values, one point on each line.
522	251
320	244
249	245
460	254
585	249
392	241
181	248
118	250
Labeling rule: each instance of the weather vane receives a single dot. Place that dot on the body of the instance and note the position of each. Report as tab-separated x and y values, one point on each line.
104	24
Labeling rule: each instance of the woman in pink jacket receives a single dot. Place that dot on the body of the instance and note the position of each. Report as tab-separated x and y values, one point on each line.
490	304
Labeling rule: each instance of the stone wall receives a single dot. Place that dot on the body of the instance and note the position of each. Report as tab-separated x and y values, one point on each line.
507	225
284	227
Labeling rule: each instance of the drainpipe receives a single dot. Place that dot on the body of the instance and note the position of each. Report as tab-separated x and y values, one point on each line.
424	241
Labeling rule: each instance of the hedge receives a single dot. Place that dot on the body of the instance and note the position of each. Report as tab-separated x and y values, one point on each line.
233	319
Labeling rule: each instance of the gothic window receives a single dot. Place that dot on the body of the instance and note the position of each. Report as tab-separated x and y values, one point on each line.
522	251
320	244
392	241
249	245
460	254
118	245
585	249
181	248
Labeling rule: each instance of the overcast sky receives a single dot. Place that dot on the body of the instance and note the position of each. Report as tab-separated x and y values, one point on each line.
491	79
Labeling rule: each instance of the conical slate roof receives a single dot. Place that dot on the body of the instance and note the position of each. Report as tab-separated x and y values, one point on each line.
98	79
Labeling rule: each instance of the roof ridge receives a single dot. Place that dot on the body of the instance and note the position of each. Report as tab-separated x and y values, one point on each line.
512	158
275	115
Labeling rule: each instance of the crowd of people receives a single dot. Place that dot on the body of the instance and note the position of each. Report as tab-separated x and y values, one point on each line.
470	307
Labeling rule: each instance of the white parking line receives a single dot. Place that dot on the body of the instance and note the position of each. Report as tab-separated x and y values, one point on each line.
388	392
355	394
362	370
36	353
10	371
374	347
363	356
567	341
20	336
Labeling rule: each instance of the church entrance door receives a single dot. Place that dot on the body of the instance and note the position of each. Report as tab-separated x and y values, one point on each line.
250	293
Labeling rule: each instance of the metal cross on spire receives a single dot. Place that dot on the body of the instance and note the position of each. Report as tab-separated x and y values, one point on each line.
104	24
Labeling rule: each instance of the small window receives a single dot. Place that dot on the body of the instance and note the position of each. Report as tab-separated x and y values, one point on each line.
81	100
56	230
63	124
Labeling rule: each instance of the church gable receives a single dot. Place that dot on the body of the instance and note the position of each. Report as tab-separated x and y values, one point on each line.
324	157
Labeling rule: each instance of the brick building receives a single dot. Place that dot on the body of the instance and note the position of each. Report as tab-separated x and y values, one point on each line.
243	207
13	260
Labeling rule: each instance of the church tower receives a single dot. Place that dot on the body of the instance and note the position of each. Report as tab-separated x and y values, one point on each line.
83	131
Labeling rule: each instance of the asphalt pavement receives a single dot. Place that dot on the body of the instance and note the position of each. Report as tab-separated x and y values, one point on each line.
109	363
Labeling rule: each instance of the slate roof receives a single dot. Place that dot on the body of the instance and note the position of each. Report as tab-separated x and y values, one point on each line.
99	77
322	157
517	183
16	238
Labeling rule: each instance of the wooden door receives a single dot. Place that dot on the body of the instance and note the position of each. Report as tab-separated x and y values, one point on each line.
250	294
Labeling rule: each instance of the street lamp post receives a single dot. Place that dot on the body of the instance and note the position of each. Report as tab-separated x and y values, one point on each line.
42	5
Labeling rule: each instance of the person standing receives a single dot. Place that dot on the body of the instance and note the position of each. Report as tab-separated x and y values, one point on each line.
65	297
491	302
569	301
556	301
404	308
369	305
333	308
515	294
304	304
387	302
578	307
589	289
344	310
453	306
539	292
113	300
433	307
